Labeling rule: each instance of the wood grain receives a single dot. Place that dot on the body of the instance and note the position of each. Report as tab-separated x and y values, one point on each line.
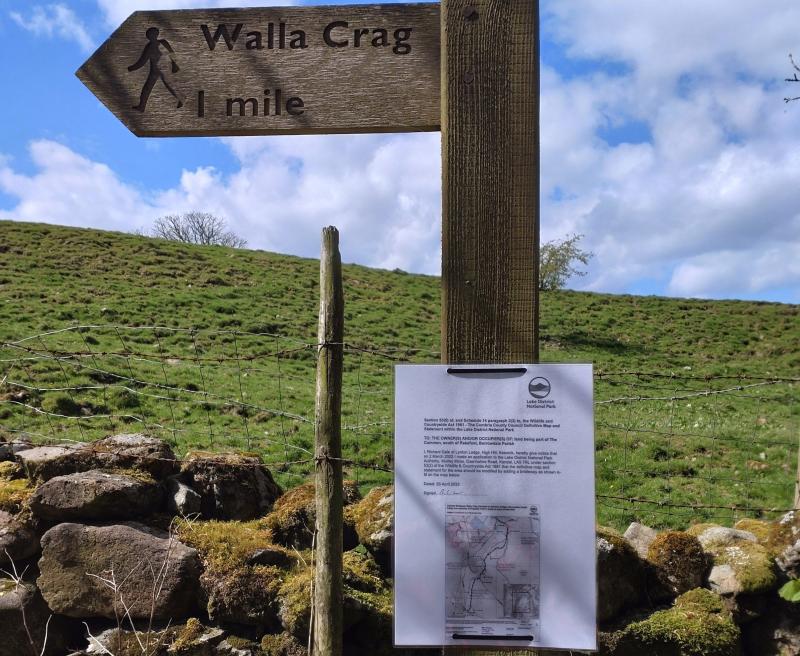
327	624
490	171
369	88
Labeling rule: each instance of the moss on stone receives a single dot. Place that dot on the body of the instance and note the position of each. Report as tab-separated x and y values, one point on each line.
291	521
245	596
7	585
188	635
751	563
680	561
10	470
783	533
614	538
369	515
131	472
240	643
128	643
350	492
697	625
361	572
14	494
367	598
698	529
244	458
295	602
282	644
225	545
758	527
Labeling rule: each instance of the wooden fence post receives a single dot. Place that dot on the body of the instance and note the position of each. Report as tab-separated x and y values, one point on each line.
490	182
327	624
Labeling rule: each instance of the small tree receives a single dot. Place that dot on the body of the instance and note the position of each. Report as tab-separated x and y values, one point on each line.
558	262
197	228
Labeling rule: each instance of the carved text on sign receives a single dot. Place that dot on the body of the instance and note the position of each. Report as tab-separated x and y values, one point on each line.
272	70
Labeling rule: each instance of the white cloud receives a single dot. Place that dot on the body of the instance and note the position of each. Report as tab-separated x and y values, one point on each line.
381	191
68	189
116	11
55	20
730	273
711	188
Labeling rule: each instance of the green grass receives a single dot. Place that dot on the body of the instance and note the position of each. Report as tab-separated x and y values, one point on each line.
208	347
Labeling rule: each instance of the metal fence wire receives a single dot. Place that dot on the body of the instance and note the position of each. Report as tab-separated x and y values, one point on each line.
671	447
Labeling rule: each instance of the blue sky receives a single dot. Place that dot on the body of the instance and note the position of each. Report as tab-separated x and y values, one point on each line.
665	141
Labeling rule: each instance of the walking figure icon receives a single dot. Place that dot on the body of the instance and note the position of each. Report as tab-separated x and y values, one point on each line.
152	53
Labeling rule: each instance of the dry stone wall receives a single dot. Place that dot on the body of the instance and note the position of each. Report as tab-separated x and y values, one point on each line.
117	547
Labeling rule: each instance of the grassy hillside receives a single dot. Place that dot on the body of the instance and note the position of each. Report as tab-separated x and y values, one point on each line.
213	348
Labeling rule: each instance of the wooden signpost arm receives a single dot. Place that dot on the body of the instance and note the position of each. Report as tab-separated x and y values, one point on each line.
490	180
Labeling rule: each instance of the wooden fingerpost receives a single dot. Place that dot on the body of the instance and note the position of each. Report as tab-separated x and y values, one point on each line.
490	183
327	628
490	180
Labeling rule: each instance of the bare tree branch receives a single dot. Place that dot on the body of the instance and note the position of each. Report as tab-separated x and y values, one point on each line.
197	228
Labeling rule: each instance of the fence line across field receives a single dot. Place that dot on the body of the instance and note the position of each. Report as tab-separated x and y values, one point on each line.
664	438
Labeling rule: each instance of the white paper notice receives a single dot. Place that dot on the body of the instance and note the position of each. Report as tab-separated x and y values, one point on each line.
494	506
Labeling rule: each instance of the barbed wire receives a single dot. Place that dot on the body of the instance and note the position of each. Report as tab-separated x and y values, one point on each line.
728	440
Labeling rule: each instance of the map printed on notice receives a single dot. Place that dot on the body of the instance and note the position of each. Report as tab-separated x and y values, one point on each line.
494	506
492	570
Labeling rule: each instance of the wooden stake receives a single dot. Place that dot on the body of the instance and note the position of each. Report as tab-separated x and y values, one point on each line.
327	628
797	483
490	180
490	183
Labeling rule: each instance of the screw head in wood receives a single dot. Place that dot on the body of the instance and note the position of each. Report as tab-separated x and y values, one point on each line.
469	77
470	13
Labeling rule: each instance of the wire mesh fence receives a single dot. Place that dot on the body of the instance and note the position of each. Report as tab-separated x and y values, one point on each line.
671	447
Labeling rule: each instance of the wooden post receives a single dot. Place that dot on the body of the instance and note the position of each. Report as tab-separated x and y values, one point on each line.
490	183
327	628
490	180
797	483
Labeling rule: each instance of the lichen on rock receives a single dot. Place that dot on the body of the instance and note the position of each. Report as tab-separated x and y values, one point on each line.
741	567
373	518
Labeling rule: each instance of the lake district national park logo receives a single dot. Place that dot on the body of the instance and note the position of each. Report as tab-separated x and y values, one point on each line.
539	388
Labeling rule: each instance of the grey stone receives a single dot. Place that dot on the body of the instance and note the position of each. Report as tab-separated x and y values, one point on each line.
640	537
274	557
231	486
776	632
95	495
42	463
225	648
181	499
722	580
741	567
134	450
17	598
18	539
620	575
138	558
789	560
245	597
124	451
8	450
720	535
